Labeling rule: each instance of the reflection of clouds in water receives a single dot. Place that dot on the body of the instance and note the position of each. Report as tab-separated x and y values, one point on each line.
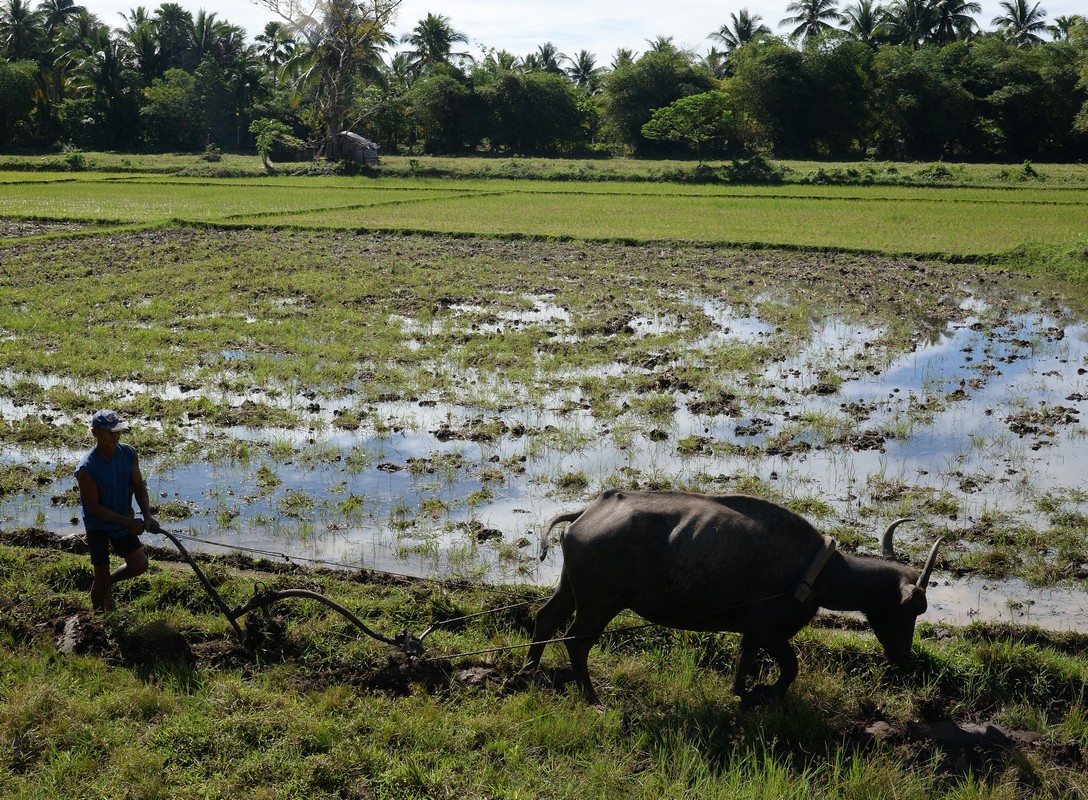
970	599
1028	366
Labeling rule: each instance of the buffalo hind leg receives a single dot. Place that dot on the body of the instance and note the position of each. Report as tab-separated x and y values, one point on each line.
552	614
581	636
781	652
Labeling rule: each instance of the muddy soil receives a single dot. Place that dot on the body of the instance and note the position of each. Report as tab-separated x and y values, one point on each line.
480	386
10	228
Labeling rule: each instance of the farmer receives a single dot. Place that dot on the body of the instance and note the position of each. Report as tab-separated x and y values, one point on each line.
109	476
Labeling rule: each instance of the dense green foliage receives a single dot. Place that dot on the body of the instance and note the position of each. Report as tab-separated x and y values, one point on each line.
915	80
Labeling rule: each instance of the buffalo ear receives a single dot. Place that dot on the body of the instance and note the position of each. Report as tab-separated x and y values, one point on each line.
914	598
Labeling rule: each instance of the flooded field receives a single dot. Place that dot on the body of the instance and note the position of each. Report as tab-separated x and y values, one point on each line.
424	406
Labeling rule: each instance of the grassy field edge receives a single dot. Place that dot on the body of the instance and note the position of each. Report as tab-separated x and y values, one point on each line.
158	700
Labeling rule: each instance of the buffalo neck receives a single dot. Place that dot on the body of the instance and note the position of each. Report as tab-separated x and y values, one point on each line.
855	583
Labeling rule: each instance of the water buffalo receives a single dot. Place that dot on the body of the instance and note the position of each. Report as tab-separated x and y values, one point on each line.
719	563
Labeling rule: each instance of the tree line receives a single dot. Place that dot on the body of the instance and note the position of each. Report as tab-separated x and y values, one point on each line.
915	79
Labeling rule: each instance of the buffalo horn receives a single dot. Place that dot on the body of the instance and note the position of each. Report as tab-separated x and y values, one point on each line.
923	579
886	540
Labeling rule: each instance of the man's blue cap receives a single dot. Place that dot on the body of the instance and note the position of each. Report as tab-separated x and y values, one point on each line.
108	420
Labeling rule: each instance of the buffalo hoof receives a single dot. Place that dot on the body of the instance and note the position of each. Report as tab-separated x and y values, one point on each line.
760	696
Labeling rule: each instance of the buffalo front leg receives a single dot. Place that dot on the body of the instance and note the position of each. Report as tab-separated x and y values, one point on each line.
746	661
552	614
780	651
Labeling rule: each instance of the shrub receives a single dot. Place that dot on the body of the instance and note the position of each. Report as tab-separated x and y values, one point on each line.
756	169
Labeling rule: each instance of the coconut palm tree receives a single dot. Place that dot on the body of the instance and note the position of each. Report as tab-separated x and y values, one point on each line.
135	18
1020	24
496	61
954	20
911	22
143	46
661	44
547	58
103	75
275	45
205	33
717	61
219	39
432	41
810	18
340	43
1062	25
623	57
54	59
864	20
80	28
583	70
174	28
55	13
22	30
746	27
399	75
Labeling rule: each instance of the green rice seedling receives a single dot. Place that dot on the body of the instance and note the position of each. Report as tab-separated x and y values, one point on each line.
572	483
227	517
401	514
813	507
694	446
296	504
17	479
480	497
266	479
352	506
433	507
654	407
317	454
919	227
359	458
754	485
281	450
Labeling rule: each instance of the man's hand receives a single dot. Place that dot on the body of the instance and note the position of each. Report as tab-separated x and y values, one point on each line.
134	526
151	524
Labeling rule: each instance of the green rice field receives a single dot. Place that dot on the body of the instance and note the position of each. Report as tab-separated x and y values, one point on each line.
958	221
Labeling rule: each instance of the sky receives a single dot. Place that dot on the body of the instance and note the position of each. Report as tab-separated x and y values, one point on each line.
521	26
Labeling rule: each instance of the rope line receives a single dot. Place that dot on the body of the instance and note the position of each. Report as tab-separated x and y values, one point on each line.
607	632
458	584
463	584
261	601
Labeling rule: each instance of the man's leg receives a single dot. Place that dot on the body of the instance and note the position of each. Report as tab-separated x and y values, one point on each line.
135	564
99	546
101	597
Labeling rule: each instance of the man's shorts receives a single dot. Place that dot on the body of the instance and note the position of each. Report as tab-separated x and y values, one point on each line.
99	543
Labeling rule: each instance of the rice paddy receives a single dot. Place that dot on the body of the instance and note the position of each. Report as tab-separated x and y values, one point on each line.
379	399
304	381
962	222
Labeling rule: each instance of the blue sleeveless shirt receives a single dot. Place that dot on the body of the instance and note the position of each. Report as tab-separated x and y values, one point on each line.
114	480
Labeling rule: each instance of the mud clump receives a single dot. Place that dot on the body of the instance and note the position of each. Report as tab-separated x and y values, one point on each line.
39	539
977	747
866	440
157	644
80	634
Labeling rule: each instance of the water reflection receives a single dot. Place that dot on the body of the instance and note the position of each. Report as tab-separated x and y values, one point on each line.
839	412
